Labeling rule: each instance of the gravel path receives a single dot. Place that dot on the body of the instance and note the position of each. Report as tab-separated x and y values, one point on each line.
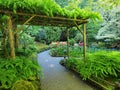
56	77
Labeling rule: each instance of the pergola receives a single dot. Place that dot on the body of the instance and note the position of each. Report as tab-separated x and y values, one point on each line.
42	20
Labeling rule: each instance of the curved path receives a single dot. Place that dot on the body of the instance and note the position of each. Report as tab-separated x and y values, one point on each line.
56	77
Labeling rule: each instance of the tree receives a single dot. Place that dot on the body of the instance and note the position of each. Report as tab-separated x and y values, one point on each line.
62	3
111	26
52	34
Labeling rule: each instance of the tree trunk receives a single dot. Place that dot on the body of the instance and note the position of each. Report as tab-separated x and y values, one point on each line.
11	38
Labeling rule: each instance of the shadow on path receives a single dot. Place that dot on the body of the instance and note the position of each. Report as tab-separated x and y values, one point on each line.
56	77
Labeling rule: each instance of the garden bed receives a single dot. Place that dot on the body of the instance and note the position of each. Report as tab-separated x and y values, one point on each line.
22	73
95	82
101	68
61	51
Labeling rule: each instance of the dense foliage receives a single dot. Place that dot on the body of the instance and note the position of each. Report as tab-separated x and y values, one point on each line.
19	69
46	7
100	64
61	50
111	25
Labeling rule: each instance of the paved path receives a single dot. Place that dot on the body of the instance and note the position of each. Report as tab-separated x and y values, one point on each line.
56	77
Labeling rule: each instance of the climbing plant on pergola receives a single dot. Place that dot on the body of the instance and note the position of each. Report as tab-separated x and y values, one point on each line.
57	16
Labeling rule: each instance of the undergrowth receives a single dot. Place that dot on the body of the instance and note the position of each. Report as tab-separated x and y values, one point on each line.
19	69
62	51
102	64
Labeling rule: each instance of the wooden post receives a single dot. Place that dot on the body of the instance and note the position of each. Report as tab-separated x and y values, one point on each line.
84	40
78	28
16	41
11	38
68	51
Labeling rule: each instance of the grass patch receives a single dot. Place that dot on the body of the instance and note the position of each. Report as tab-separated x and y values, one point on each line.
42	47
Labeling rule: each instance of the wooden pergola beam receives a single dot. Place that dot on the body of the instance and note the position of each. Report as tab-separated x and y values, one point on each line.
18	29
78	28
41	21
52	21
43	16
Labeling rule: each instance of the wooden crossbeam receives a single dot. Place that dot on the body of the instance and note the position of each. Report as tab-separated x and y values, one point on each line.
18	29
78	28
44	16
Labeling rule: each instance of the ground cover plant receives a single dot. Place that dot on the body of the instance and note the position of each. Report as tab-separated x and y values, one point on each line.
100	64
21	69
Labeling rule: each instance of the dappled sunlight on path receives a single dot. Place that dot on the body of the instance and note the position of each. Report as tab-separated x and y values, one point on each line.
56	77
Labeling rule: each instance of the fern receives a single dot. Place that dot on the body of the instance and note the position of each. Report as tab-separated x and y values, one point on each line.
99	64
13	70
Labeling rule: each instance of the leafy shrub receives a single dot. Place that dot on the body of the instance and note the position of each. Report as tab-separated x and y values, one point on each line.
52	34
58	51
78	37
13	70
41	36
33	48
100	64
76	51
71	42
62	51
28	45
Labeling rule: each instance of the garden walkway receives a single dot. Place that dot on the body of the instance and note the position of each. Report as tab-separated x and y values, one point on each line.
56	77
